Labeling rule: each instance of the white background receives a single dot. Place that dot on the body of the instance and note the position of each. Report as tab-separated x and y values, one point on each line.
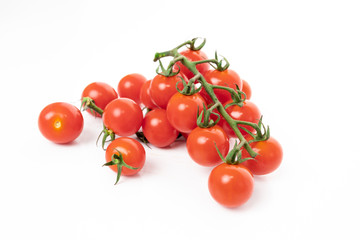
301	59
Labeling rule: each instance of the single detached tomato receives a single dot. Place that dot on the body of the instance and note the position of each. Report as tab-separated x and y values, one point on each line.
145	96
231	185
193	56
269	158
201	145
163	88
249	112
125	154
123	116
246	89
226	78
101	93
157	129
60	122
130	86
182	111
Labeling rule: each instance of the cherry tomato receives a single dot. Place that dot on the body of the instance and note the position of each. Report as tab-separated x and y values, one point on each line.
182	111
101	93
227	78
145	96
123	116
249	112
193	56
269	158
163	88
231	185
133	154
157	129
130	86
246	89
201	145
60	122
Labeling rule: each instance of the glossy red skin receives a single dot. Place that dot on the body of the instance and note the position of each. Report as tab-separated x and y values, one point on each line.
193	56
145	96
60	122
182	111
201	145
157	129
163	88
132	151
231	185
123	116
130	86
246	89
269	158
101	93
248	112
227	78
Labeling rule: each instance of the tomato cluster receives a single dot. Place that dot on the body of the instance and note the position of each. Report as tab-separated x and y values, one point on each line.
206	104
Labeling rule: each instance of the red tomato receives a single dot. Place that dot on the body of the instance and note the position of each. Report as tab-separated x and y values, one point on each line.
246	89
201	145
101	93
132	151
193	56
157	129
269	158
163	88
182	110
123	116
231	185
145	96
248	112
60	122
130	86
227	78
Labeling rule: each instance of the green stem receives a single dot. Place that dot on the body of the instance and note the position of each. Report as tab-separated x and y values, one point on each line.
214	106
206	61
207	112
229	89
253	125
89	103
184	44
236	130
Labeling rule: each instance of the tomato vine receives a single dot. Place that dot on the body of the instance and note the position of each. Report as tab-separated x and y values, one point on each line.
262	132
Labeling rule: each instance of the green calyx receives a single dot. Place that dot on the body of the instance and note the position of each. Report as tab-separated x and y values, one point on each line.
262	132
235	155
203	119
221	65
142	138
118	160
168	72
89	103
192	43
189	87
107	134
238	96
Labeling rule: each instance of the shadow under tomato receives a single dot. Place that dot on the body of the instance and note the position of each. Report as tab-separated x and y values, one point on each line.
177	144
72	143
